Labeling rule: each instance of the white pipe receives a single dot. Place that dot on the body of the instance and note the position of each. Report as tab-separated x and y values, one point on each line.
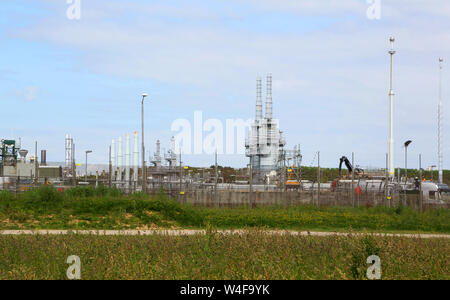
173	144
119	159
113	159
135	157
127	158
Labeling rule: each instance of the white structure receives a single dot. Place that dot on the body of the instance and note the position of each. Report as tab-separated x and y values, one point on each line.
69	156
127	158
119	159
171	156
391	115
265	143
157	161
69	149
440	115
113	159
135	157
121	166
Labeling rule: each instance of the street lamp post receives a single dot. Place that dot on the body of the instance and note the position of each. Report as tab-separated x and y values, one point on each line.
407	143
85	175
391	114
142	142
440	127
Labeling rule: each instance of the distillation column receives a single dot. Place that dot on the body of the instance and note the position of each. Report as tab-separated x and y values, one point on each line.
113	159
119	159
135	157
127	159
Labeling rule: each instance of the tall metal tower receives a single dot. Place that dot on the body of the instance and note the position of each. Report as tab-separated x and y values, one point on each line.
391	114
265	141
440	115
69	157
69	154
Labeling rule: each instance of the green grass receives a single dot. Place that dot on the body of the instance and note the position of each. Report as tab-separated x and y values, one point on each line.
90	208
251	256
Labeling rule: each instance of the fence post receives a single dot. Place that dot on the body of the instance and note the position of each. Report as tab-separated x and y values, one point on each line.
420	186
318	178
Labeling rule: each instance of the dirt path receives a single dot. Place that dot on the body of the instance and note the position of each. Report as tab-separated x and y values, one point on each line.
194	232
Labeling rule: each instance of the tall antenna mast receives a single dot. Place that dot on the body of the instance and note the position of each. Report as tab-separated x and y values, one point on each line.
440	112
391	113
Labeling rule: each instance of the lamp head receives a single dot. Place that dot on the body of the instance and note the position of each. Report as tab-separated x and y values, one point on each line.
407	143
392	40
144	95
88	151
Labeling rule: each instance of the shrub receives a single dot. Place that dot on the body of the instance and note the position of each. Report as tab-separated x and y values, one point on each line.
6	198
45	197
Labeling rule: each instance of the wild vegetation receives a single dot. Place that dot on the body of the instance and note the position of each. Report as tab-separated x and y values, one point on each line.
253	255
102	208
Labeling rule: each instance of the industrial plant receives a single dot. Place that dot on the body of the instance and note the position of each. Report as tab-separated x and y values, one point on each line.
274	174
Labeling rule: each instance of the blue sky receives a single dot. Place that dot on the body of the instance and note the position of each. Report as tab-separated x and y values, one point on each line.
328	60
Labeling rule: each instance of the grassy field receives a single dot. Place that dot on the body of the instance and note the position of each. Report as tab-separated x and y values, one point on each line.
88	208
252	256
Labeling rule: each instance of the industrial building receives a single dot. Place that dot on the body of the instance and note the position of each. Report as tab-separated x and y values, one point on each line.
15	166
266	142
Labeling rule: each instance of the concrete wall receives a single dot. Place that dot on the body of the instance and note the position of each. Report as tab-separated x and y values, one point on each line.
228	198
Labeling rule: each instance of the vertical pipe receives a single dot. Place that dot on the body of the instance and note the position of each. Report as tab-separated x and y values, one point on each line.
135	157
119	159
113	159
144	175
127	159
68	149
110	168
